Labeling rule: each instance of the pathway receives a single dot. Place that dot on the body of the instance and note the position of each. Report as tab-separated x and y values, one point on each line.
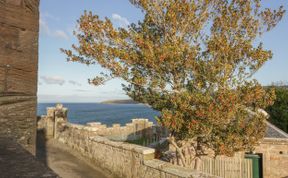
67	165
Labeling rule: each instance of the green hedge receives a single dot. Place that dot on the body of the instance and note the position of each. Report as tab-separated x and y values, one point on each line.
279	111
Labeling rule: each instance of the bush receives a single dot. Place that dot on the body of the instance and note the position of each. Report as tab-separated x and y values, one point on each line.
279	110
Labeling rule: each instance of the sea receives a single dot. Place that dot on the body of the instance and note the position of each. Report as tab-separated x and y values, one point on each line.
82	113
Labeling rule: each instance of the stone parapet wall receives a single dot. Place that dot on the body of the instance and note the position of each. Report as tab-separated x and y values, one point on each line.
19	28
112	152
137	129
120	158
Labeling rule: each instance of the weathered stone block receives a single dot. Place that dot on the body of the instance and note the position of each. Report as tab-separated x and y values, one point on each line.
15	2
19	26
2	79
18	120
24	16
116	126
94	124
20	81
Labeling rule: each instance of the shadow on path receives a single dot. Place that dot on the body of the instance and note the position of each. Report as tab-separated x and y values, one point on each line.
60	159
15	161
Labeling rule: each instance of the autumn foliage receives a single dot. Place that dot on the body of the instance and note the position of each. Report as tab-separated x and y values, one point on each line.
193	61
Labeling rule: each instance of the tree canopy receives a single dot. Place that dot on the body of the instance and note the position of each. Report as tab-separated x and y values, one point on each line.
279	110
193	61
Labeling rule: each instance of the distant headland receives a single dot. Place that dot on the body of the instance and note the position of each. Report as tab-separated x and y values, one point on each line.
127	101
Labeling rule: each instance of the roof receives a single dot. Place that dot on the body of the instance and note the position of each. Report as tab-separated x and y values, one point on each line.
271	131
274	132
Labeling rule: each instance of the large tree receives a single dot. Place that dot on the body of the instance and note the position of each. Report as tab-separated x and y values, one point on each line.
193	61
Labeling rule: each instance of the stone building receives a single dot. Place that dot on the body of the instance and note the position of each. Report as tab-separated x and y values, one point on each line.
19	28
272	153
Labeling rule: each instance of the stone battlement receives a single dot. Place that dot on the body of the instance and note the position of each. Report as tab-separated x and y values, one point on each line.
107	147
138	129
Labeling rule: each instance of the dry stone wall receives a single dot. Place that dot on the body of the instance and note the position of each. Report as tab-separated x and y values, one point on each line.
19	26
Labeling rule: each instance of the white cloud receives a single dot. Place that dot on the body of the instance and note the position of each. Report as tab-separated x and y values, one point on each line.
53	80
61	34
49	16
47	98
44	28
74	83
122	21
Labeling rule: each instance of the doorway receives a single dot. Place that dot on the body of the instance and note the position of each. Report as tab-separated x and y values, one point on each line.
257	164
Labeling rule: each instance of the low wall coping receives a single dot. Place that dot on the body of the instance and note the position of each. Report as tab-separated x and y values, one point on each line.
123	145
77	126
92	129
140	120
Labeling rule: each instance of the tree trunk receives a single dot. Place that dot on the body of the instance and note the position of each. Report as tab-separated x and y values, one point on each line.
198	163
178	150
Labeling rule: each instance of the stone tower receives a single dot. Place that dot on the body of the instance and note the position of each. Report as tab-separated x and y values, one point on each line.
19	29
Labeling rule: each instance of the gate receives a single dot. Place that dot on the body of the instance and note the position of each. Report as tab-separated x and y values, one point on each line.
256	164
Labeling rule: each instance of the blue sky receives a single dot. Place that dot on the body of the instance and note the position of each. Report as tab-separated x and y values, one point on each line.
62	81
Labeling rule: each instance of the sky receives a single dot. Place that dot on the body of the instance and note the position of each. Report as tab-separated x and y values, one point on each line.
62	81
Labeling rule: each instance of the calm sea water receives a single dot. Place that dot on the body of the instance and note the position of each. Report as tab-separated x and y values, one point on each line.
81	113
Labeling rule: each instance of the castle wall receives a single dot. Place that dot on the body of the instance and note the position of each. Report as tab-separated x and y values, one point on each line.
104	146
138	130
19	26
120	158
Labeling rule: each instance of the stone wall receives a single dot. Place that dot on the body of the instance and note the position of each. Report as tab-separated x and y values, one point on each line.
137	129
89	140
275	157
19	26
120	158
